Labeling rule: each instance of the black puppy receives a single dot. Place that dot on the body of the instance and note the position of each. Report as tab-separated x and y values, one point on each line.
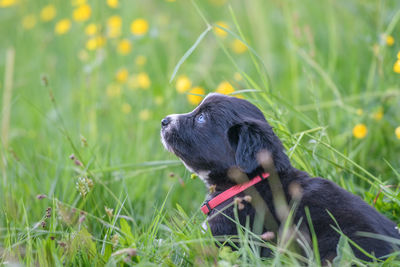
225	132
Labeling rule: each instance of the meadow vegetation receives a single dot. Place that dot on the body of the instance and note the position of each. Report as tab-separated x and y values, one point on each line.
84	84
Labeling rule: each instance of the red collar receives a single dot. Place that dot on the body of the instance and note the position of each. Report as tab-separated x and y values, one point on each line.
231	192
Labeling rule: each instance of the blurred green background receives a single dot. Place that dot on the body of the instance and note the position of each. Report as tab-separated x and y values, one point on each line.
84	85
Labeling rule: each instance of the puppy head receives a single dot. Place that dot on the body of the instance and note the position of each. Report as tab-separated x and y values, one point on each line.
223	132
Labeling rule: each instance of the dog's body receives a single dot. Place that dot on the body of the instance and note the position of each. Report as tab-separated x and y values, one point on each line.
224	133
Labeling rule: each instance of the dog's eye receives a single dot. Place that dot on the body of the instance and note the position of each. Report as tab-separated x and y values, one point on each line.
201	118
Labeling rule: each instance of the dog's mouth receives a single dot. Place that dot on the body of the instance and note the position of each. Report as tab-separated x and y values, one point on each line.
164	141
168	133
170	139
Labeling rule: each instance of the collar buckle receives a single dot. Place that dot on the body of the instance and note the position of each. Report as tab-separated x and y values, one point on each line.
205	208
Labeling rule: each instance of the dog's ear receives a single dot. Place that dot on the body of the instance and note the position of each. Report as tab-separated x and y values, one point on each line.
250	138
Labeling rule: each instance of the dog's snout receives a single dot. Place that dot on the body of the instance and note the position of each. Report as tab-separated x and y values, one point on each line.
165	121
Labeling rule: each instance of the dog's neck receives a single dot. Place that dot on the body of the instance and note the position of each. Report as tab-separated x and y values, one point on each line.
220	182
290	179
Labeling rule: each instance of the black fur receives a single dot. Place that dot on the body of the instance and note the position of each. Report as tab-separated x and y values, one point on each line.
225	132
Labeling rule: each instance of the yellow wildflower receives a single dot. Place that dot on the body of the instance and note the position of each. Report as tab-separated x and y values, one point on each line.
183	83
114	24
95	43
389	40
193	96
7	3
28	22
238	46
112	3
378	115
62	26
140	80
360	131
114	21
359	112
144	115
225	88
397	132
91	44
220	32
91	29
143	80
48	13
140	60
237	76
82	13
124	47
396	67
139	27
398	55
113	90
126	108
122	75
159	100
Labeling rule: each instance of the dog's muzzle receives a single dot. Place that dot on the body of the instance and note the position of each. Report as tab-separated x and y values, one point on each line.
166	125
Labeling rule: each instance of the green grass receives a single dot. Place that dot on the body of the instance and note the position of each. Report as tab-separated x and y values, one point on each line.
309	66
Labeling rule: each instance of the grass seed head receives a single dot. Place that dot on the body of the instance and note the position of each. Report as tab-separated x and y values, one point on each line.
211	189
78	163
267	236
239	202
114	240
247	198
41	196
109	212
48	212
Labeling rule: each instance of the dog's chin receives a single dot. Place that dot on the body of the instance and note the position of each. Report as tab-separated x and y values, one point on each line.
202	174
165	143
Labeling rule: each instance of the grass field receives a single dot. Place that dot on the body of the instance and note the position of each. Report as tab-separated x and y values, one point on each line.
84	84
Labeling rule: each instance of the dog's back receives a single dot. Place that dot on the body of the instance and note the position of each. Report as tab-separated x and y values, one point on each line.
352	216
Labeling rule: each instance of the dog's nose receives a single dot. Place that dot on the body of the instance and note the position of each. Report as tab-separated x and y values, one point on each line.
165	121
